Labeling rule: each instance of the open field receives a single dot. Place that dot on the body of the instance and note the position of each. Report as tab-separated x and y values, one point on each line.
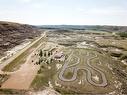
86	69
70	62
87	65
111	42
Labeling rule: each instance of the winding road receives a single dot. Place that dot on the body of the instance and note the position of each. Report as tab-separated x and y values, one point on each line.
88	72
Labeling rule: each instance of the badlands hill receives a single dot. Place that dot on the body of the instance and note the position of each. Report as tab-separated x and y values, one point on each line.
12	34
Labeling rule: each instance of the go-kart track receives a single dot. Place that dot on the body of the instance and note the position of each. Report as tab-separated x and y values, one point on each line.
87	69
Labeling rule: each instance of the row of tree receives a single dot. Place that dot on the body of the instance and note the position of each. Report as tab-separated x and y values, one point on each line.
122	34
44	53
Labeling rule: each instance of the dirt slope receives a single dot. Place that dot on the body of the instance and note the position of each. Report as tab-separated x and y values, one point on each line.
12	34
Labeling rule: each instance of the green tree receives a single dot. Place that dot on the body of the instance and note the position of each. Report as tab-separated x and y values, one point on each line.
48	53
41	53
122	34
45	54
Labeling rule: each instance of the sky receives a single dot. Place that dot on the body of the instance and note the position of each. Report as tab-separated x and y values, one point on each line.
65	12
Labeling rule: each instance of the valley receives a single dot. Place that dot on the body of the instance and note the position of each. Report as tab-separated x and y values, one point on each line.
67	61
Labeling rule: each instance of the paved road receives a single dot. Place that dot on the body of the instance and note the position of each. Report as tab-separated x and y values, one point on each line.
104	80
20	52
75	70
65	66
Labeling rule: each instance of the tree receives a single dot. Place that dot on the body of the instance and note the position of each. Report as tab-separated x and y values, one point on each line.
45	54
39	62
41	53
48	53
122	34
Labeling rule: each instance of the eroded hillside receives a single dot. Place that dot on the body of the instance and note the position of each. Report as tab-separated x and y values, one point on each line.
12	34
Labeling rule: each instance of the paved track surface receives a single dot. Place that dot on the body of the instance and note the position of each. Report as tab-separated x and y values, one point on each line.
75	69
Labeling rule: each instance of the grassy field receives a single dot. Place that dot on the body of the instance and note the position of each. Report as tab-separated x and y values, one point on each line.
111	42
98	32
12	92
3	78
45	75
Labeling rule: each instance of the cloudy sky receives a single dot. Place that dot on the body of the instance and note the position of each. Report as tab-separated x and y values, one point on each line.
74	12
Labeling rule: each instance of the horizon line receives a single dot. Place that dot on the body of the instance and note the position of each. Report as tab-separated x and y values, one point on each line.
63	24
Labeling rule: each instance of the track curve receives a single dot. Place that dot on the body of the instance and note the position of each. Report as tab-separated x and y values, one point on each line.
87	70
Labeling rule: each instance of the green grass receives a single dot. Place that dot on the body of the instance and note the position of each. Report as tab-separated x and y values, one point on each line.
12	92
65	91
120	44
44	76
122	34
69	75
39	82
3	78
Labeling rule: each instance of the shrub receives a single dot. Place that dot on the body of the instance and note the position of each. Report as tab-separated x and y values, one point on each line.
122	34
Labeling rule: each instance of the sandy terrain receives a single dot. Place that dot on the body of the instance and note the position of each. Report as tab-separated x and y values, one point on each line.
22	78
47	91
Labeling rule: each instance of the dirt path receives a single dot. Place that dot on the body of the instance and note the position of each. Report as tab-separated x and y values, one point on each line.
22	78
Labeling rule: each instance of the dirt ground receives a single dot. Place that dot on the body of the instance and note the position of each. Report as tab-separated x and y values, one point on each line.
22	78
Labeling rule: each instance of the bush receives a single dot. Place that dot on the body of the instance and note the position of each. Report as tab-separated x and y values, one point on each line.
122	34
